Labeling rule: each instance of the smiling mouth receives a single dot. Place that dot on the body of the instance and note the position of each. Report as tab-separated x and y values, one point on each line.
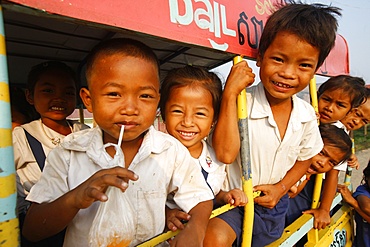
55	108
281	84
187	134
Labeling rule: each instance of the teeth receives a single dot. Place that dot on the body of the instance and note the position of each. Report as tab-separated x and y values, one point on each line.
281	85
187	133
54	108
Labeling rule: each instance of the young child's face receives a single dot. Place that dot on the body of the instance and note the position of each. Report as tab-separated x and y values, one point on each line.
287	66
124	90
325	160
54	95
189	116
357	117
334	105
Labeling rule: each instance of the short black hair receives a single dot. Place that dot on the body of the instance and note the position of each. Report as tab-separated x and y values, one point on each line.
191	75
41	68
125	46
336	137
313	23
351	85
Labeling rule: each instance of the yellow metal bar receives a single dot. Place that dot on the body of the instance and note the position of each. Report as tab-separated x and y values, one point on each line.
9	230
339	232
313	234
169	234
246	165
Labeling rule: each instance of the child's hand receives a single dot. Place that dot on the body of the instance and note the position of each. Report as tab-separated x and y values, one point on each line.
93	189
240	77
235	197
346	194
321	217
353	162
271	195
174	218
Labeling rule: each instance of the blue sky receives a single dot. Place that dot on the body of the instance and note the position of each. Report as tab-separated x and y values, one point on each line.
355	28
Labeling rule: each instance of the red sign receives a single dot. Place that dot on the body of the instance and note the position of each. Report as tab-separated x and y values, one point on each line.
233	26
338	60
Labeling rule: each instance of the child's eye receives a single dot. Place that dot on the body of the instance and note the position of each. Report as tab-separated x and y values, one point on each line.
47	90
277	59
146	96
113	94
201	114
325	99
342	105
176	111
306	65
332	163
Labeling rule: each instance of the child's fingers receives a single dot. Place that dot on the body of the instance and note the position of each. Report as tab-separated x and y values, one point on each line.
238	198
175	221
96	194
124	173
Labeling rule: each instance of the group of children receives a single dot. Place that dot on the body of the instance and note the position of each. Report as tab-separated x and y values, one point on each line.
181	176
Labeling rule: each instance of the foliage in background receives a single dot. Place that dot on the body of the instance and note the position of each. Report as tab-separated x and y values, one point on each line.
362	140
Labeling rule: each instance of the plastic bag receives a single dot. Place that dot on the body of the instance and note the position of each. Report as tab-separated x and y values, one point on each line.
114	223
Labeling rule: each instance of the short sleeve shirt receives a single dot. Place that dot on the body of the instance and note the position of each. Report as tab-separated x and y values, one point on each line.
271	156
162	163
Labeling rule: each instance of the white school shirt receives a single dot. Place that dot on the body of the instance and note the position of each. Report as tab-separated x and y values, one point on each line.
271	157
28	171
162	163
215	169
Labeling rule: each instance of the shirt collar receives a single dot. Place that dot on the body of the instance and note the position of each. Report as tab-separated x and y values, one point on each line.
261	107
91	142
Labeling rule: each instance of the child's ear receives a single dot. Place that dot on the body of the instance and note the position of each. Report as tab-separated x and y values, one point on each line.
86	98
29	97
259	60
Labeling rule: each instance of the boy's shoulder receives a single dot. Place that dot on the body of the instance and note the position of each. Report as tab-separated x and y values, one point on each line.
83	139
77	125
303	108
161	141
33	128
363	189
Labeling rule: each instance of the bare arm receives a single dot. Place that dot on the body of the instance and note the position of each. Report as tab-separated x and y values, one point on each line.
46	219
322	213
273	193
226	128
361	205
195	229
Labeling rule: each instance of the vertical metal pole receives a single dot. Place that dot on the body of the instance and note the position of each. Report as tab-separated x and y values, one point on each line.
313	234
246	165
9	230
